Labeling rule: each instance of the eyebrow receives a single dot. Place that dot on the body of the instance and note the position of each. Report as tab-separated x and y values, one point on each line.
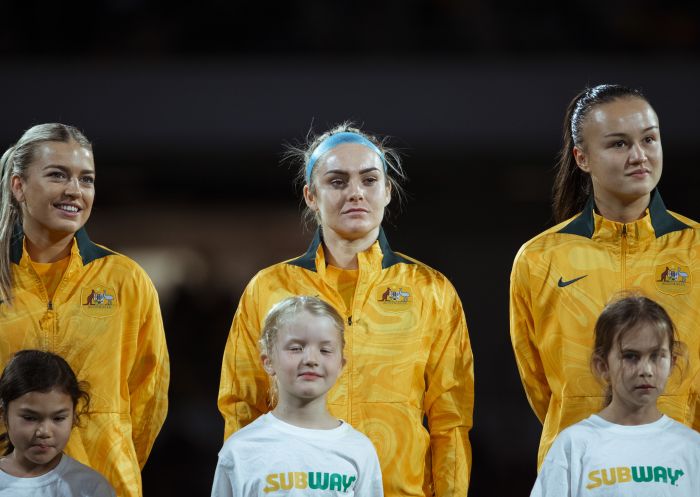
67	169
654	349
341	171
299	340
27	410
625	134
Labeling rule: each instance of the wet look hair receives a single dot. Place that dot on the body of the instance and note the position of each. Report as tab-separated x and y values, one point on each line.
38	371
14	162
572	186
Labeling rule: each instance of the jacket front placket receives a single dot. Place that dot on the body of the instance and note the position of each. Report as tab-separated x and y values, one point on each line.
48	322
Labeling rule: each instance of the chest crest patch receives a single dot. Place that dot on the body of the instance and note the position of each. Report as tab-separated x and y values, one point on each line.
98	301
673	278
395	297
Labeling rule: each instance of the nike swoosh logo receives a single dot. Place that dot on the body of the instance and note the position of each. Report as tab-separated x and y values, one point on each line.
563	283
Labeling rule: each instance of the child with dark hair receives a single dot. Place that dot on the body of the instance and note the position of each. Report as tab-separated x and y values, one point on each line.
629	448
40	402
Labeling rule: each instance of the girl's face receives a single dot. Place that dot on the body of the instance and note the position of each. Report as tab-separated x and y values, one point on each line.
621	150
637	368
306	359
351	191
57	192
38	425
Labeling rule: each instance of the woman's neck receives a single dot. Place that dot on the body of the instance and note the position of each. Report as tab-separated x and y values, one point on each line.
342	252
311	414
47	246
622	212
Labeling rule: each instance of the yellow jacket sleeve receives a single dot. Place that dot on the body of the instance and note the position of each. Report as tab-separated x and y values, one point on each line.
243	391
522	335
449	398
149	376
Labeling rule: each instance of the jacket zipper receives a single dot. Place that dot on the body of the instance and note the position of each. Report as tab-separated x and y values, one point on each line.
623	256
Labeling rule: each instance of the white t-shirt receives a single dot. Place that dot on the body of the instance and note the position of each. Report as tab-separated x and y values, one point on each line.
271	457
597	458
68	479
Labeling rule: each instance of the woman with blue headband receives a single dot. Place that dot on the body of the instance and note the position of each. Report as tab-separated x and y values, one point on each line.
614	234
408	381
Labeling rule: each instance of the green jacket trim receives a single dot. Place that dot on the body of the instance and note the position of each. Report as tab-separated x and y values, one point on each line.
661	220
389	257
89	251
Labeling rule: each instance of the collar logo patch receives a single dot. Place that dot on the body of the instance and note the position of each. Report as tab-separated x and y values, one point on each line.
394	296
673	278
98	301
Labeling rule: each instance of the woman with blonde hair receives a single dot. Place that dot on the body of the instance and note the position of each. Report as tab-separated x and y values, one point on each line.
407	348
64	294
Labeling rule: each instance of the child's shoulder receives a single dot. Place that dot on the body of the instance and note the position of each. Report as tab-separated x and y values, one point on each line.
84	477
682	431
351	432
356	437
250	431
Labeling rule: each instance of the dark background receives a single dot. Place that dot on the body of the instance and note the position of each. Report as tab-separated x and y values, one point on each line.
189	105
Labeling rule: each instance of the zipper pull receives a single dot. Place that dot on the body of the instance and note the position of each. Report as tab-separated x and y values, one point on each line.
624	230
50	305
349	320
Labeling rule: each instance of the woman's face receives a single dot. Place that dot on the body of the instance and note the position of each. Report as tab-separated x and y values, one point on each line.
58	188
621	150
350	191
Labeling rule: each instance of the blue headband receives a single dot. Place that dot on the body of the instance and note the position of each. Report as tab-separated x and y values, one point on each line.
338	139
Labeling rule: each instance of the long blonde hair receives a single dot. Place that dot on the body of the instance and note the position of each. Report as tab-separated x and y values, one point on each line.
14	162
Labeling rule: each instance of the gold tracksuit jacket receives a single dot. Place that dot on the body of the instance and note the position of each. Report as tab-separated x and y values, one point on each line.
408	355
105	321
561	281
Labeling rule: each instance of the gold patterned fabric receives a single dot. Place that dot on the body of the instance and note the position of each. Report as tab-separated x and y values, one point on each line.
408	356
104	319
51	274
560	282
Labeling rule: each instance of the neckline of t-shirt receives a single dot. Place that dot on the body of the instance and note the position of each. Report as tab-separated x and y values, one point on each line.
34	481
631	429
291	429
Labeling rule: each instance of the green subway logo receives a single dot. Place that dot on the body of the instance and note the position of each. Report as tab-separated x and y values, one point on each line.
313	479
639	474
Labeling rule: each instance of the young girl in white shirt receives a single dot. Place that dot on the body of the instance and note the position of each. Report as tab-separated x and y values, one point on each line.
299	448
40	402
629	448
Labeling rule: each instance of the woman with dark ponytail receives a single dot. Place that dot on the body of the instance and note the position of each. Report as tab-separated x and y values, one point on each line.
614	234
62	293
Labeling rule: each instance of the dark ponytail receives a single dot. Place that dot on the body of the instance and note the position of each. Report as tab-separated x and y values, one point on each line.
572	186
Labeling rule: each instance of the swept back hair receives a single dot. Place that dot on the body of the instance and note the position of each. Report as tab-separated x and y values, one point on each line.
572	186
301	155
14	162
